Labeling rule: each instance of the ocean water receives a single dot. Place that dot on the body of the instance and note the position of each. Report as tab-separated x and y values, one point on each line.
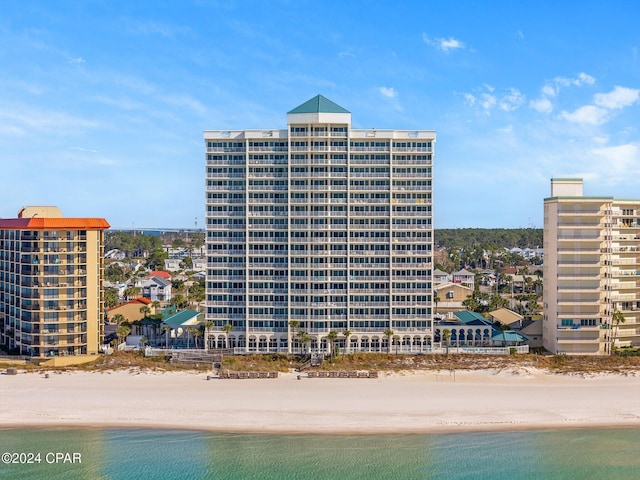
166	454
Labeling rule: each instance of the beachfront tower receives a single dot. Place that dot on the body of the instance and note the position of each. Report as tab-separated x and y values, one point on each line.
591	271
51	295
317	228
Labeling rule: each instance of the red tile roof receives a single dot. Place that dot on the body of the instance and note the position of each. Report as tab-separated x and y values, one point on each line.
37	223
159	273
144	301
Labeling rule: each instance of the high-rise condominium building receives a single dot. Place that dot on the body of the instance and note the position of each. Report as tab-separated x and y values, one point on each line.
51	295
591	271
319	228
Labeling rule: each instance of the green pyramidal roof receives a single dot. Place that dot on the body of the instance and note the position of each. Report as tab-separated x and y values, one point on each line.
319	104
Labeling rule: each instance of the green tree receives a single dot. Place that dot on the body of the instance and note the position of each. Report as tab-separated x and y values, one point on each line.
145	311
132	292
179	301
304	339
167	329
208	325
293	325
436	299
227	328
155	260
187	263
388	333
177	285
347	334
446	336
196	293
115	273
617	318
122	332
332	337
155	305
197	332
118	318
110	297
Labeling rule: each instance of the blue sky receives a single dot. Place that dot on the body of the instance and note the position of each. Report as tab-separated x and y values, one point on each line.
103	103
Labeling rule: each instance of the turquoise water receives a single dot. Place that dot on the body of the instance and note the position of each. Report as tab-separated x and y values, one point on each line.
156	454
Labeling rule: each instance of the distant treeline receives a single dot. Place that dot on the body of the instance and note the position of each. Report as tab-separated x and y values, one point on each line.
500	237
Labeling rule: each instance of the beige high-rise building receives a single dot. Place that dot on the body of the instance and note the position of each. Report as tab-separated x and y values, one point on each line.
51	292
319	227
591	271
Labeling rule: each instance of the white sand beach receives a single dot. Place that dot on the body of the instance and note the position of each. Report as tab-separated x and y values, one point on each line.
415	402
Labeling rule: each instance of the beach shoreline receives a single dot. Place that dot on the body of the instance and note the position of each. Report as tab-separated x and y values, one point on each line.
415	402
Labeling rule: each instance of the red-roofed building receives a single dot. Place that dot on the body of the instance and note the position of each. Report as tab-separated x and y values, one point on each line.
130	310
161	274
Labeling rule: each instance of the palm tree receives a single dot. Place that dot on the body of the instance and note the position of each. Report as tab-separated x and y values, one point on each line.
118	318
347	334
155	325
192	331
156	306
227	328
436	299
388	333
145	311
617	318
207	328
332	336
122	332
304	338
293	325
132	292
166	329
446	335
197	331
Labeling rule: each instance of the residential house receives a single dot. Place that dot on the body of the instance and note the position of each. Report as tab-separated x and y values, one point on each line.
130	310
464	277
179	323
441	277
155	288
451	296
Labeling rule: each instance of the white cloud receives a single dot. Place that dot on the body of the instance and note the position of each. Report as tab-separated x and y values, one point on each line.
619	97
620	158
589	114
549	91
470	99
444	44
598	113
490	99
542	105
388	92
581	79
512	101
76	60
487	101
552	88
